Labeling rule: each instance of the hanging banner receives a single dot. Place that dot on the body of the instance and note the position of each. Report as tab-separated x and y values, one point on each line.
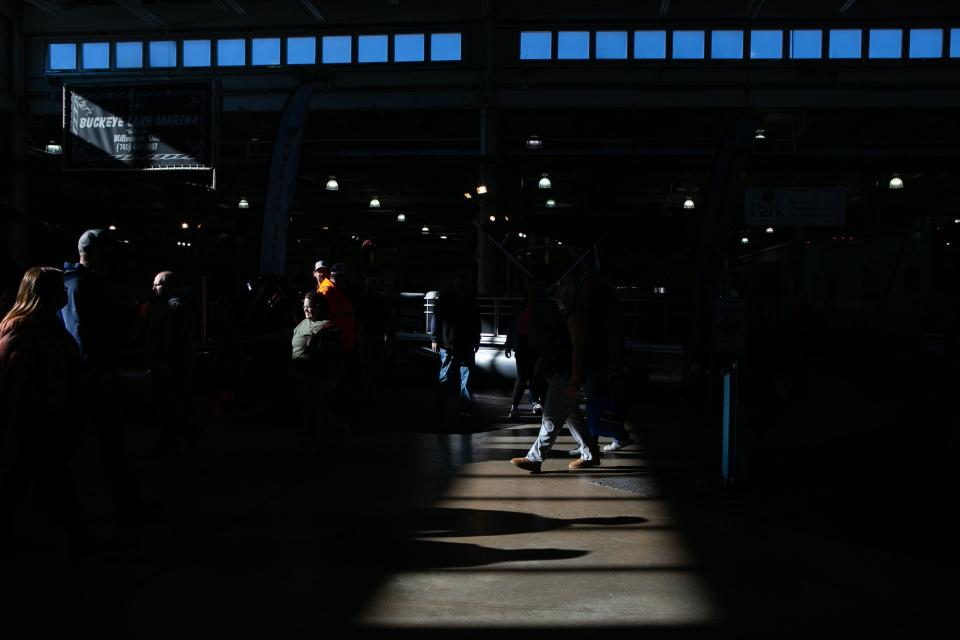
798	207
284	169
140	126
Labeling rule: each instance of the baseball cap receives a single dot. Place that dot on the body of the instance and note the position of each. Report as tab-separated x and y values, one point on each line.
319	264
92	239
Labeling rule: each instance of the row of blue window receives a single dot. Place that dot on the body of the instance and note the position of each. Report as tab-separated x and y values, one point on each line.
238	52
733	44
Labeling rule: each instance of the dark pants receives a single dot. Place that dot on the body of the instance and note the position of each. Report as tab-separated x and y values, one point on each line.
173	401
526	359
103	414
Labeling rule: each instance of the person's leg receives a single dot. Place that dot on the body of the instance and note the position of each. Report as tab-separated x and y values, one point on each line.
558	405
446	360
106	415
577	424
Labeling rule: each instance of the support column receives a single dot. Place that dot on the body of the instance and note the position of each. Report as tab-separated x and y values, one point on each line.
13	232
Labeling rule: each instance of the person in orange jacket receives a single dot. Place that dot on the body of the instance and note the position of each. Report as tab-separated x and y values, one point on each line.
340	309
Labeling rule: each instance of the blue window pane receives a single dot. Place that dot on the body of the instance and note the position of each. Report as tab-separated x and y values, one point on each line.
265	51
337	49
885	43
649	45
163	53
95	55
806	44
196	53
845	43
766	45
926	43
301	50
536	45
63	56
129	55
408	47
687	45
955	43
231	53
726	45
573	45
372	49
611	45
444	46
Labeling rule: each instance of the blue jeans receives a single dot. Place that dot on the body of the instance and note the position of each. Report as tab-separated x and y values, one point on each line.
447	361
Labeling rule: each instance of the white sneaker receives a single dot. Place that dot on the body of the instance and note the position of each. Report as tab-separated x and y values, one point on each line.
537	409
616	445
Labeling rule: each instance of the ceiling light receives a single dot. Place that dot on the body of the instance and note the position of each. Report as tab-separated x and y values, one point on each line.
544	182
243	204
332	184
184	225
956	221
551	203
374	202
759	135
425	229
660	290
112	227
53	148
481	189
534	142
769	229
896	182
443	237
466	194
744	240
688	203
401	217
493	218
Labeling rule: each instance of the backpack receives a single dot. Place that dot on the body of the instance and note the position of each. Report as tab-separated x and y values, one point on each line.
325	342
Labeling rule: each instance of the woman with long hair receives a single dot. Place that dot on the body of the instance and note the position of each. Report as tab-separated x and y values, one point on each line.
39	363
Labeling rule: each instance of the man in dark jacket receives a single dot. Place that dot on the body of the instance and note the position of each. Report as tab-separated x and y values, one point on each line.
456	337
92	317
170	360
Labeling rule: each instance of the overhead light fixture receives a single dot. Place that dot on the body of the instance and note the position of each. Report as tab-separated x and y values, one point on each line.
401	217
534	142
769	229
443	237
332	184
759	135
374	202
744	240
184	225
689	204
551	203
660	290
544	182
53	148
493	218
896	182
243	204
481	189
424	229
956	221
466	194
112	227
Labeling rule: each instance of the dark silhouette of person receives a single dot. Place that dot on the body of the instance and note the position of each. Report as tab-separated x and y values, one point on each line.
522	342
170	355
93	318
376	337
456	337
39	363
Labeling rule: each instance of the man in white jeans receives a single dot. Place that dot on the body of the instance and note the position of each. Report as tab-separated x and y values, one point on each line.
561	360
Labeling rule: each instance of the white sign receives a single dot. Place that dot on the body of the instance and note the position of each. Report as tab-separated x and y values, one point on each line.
802	207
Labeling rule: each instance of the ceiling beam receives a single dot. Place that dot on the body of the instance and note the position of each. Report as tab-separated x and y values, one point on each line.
313	10
49	6
136	8
846	5
231	4
754	8
664	7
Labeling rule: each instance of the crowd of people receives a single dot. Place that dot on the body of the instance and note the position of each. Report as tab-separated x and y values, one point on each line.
60	370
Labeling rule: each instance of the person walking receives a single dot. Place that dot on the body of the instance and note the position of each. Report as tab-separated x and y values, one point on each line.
561	363
456	338
522	342
170	355
92	317
39	364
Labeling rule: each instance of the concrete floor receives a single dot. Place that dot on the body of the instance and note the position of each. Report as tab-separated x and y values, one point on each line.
423	529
